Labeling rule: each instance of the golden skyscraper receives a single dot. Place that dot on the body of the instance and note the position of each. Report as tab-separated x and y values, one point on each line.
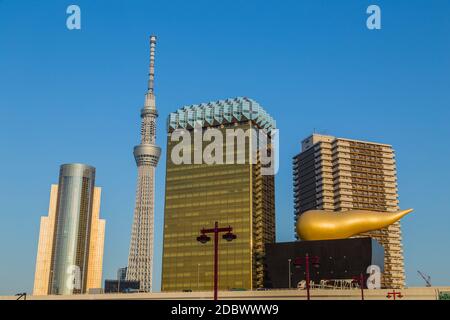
70	249
198	194
340	174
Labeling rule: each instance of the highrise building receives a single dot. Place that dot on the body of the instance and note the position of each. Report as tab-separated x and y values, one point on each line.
70	250
146	154
341	174
198	194
122	273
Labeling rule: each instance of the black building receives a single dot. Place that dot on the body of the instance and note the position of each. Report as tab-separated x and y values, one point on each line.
337	259
122	286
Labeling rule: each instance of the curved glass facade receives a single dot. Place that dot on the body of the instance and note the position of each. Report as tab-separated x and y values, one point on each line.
73	224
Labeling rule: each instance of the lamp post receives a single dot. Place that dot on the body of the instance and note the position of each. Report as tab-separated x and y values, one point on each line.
298	262
203	238
290	274
360	280
198	276
394	294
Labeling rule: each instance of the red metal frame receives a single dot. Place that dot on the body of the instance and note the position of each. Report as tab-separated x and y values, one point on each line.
216	230
300	261
360	280
394	294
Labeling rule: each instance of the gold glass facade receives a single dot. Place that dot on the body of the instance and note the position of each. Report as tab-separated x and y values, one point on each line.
235	195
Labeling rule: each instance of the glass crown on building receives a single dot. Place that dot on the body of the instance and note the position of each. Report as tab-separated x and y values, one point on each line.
220	112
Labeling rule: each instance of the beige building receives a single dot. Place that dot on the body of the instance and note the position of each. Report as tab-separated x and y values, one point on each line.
342	174
70	249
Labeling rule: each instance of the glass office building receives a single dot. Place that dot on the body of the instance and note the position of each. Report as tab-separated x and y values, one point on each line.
70	249
235	195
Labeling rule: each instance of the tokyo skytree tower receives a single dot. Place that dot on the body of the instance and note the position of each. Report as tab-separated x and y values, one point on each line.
146	154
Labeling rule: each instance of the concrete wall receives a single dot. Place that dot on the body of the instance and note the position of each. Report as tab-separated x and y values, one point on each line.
419	293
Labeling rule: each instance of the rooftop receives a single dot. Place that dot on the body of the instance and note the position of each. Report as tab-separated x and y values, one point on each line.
220	112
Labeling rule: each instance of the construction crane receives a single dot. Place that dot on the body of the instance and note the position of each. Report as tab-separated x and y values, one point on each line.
425	277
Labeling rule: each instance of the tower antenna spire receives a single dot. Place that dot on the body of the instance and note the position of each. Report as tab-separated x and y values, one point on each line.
146	154
151	72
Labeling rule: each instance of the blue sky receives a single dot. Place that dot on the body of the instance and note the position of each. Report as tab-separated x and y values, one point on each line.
74	96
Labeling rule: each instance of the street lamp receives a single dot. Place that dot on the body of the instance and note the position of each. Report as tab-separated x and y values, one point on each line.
360	280
394	294
290	274
198	276
204	238
298	262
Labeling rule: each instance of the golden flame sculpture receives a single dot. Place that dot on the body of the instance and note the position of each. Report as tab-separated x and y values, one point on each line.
328	225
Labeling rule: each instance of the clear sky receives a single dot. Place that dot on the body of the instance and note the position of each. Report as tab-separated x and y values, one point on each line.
74	96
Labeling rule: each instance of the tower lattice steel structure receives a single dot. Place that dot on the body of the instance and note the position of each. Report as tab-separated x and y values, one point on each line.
147	154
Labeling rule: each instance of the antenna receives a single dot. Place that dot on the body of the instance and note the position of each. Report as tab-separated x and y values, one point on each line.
151	72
